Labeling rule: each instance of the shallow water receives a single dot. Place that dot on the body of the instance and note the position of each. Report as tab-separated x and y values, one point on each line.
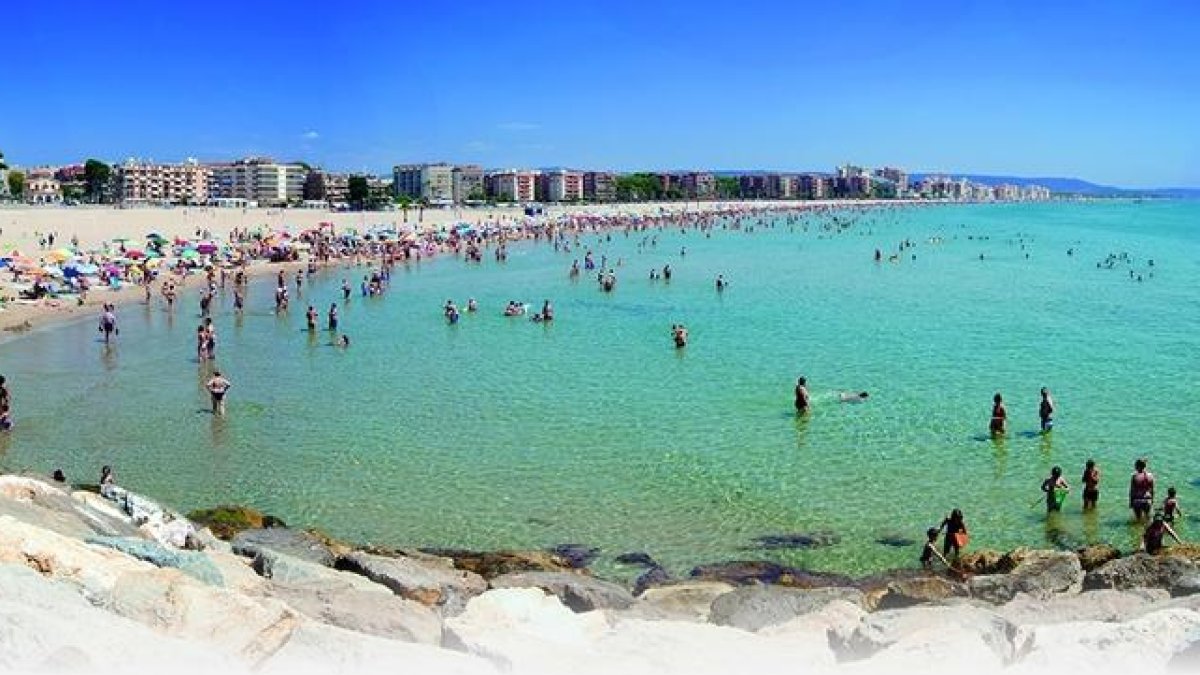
501	433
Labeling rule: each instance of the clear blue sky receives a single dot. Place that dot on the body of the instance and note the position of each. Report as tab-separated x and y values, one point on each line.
1105	91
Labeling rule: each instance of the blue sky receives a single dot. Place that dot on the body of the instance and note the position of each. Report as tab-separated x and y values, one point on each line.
1105	91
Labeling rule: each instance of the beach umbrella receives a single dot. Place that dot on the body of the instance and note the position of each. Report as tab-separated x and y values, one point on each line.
206	247
60	254
189	254
52	270
84	269
135	253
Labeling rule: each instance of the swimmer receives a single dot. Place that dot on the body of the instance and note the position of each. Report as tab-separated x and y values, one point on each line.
472	306
1170	509
344	341
721	283
851	397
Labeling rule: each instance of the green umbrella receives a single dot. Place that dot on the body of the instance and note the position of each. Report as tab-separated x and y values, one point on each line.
189	254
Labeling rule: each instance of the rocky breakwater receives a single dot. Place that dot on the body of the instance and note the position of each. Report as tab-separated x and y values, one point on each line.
83	587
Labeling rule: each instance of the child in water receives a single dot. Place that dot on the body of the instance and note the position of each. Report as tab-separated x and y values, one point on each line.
929	552
1171	508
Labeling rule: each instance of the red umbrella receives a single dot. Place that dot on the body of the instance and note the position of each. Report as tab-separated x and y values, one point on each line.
135	253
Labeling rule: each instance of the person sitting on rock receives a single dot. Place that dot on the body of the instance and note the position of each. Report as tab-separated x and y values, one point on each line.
1152	538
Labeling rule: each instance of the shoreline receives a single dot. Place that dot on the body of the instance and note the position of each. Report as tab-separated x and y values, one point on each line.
100	225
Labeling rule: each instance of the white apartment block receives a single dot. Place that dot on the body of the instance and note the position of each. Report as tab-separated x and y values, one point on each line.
260	180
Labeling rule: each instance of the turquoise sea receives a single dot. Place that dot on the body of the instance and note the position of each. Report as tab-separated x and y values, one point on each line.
502	433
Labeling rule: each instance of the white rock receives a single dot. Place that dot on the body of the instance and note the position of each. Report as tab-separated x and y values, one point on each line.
317	648
1143	645
523	628
689	601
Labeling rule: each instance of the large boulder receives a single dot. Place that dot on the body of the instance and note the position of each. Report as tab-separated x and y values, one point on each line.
1144	645
833	623
1102	605
191	563
744	572
226	521
315	647
446	588
755	607
46	626
1177	575
684	601
491	564
917	590
954	631
578	592
1092	557
522	629
51	507
577	555
284	569
371	611
295	543
231	623
652	578
1038	573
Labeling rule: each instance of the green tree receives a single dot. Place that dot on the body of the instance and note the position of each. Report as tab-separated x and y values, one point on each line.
728	187
72	192
16	184
358	192
638	187
96	175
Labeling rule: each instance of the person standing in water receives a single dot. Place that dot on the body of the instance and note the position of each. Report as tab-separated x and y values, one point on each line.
721	283
801	395
1170	509
108	322
1141	490
999	416
956	533
333	317
311	318
1046	411
1055	488
217	386
1091	485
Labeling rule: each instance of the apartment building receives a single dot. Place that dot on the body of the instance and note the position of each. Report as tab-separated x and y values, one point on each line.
260	180
560	185
433	183
599	186
136	181
699	185
517	186
466	183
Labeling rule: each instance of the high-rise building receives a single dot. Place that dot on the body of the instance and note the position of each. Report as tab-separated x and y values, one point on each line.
599	186
260	180
466	183
814	186
187	183
433	183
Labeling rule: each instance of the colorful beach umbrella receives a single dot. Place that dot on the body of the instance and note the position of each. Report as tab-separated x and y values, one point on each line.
189	254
